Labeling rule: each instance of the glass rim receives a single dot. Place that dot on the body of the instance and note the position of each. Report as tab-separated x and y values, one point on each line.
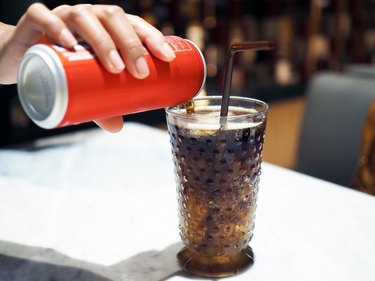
264	107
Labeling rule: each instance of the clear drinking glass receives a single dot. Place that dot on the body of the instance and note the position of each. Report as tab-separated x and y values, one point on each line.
217	166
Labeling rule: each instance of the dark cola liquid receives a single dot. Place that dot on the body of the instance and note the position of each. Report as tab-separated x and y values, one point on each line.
217	173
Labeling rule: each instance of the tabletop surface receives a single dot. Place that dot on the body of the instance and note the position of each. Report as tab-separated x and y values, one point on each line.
99	206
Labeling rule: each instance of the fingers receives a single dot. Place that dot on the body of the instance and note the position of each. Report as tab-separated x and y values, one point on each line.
127	41
153	38
116	37
83	21
39	19
112	125
106	29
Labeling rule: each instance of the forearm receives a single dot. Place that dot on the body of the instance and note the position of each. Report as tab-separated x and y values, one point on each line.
6	32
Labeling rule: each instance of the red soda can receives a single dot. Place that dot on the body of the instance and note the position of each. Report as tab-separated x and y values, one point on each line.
59	87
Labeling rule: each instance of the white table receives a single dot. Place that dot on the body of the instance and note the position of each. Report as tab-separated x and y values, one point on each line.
100	206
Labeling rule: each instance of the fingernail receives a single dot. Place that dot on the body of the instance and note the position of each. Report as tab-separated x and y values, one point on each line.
142	68
67	38
116	60
168	51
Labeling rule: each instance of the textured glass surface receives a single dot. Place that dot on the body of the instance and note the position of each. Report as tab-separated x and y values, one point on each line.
217	175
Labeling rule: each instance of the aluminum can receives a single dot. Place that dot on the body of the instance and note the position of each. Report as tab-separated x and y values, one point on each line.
59	87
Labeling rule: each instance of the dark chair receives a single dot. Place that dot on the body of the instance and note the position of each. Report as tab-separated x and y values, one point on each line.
330	140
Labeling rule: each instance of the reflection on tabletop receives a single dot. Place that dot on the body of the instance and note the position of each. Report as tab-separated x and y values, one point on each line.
100	206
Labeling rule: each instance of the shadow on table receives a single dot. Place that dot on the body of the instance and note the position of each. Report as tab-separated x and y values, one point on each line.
24	263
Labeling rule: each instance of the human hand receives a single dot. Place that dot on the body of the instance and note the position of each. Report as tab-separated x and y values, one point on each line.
116	38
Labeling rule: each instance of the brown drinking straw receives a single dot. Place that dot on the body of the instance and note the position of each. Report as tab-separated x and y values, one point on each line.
235	48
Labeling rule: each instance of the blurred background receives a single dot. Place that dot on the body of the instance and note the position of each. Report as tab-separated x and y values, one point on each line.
310	36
